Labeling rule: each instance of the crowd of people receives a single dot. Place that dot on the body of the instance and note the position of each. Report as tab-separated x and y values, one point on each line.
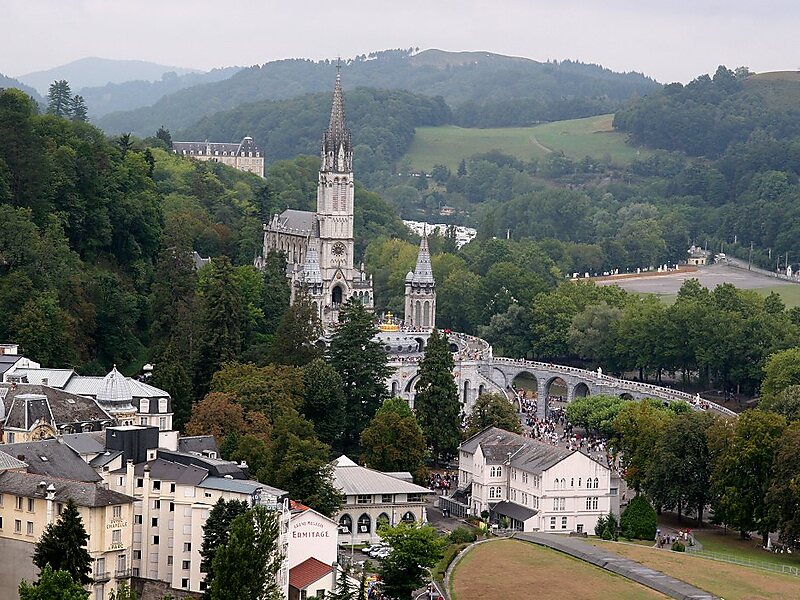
442	481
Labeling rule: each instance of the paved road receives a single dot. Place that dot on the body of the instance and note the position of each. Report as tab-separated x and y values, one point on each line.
609	561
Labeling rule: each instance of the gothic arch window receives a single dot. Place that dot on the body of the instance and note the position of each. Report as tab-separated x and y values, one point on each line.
409	517
383	519
417	313
426	314
336	188
336	295
345	524
364	523
394	389
466	390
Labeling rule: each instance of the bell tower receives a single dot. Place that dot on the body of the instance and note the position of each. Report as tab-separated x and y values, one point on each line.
335	192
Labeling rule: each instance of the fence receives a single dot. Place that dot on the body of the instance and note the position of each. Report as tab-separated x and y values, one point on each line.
745	562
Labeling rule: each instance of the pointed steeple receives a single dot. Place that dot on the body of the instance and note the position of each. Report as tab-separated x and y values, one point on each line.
312	274
423	273
337	145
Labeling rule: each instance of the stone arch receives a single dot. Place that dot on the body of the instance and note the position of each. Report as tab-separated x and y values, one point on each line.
409	517
481	389
395	387
383	519
626	396
581	390
426	313
526	382
465	397
420	344
411	386
561	387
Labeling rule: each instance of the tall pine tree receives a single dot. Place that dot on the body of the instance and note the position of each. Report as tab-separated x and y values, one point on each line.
275	298
436	400
297	335
59	98
77	109
361	363
221	323
63	546
216	532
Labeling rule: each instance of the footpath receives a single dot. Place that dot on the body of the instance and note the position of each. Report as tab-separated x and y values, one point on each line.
674	588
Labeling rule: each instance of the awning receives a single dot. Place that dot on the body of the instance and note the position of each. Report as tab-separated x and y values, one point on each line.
514	510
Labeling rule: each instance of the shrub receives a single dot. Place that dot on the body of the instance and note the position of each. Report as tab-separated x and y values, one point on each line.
638	521
605	524
600	527
678	546
462	535
606	534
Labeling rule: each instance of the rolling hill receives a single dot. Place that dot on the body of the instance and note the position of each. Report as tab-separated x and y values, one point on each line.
10	82
93	71
460	78
592	136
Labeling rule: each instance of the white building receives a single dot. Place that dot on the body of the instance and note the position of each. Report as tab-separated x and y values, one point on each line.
537	486
245	156
372	498
312	553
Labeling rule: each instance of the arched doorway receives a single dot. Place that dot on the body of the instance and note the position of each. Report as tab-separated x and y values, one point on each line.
465	396
626	396
383	519
420	344
409	517
336	295
394	389
581	390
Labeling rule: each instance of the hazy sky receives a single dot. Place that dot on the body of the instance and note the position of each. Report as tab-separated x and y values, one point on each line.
671	40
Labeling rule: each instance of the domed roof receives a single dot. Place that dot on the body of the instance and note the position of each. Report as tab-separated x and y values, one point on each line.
410	276
115	391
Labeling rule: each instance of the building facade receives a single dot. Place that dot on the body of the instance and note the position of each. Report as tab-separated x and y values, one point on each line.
373	498
245	156
537	486
30	501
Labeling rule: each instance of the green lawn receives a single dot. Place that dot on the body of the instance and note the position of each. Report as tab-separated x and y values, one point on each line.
790	294
592	136
717	541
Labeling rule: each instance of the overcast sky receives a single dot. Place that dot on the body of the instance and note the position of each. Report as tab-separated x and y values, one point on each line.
670	40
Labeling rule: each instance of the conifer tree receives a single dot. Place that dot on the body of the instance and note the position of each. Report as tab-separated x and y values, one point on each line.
59	98
165	136
77	109
63	546
247	564
345	590
216	532
276	290
221	323
297	334
361	363
436	401
323	401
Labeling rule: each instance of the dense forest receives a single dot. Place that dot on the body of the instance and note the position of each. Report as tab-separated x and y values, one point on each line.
534	91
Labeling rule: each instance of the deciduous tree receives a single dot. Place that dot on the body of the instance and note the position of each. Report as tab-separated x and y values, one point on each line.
393	441
52	585
493	410
299	330
323	401
414	550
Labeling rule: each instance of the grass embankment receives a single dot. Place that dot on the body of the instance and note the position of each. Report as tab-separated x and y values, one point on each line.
729	581
729	542
592	136
514	569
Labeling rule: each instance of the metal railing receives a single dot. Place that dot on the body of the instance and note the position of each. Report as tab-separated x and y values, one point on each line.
744	561
100	577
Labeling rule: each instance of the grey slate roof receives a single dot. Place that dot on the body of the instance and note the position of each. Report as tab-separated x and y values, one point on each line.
353	480
92	442
9	462
52	458
526	454
198	444
55	405
7	361
242	486
423	273
57	378
28	485
101	460
514	510
166	470
301	221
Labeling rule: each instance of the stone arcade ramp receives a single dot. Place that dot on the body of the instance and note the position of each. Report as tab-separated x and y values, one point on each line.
674	588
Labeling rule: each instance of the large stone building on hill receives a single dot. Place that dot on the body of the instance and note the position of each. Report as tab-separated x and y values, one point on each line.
245	155
319	246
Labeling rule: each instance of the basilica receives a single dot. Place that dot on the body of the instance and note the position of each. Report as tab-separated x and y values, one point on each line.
319	245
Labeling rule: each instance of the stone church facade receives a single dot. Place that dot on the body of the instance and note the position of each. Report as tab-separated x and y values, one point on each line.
319	245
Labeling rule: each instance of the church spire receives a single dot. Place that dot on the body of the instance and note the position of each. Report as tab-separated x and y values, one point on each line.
423	273
337	145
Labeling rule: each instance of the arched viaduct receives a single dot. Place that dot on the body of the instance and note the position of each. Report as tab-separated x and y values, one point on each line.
478	371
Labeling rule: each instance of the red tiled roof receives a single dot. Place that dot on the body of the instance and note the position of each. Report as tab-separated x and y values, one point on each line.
307	572
295	505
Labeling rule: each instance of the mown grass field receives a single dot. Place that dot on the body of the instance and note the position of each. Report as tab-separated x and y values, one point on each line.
514	569
729	581
592	136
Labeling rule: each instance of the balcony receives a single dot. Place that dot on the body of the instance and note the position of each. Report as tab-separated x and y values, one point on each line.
123	574
101	577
